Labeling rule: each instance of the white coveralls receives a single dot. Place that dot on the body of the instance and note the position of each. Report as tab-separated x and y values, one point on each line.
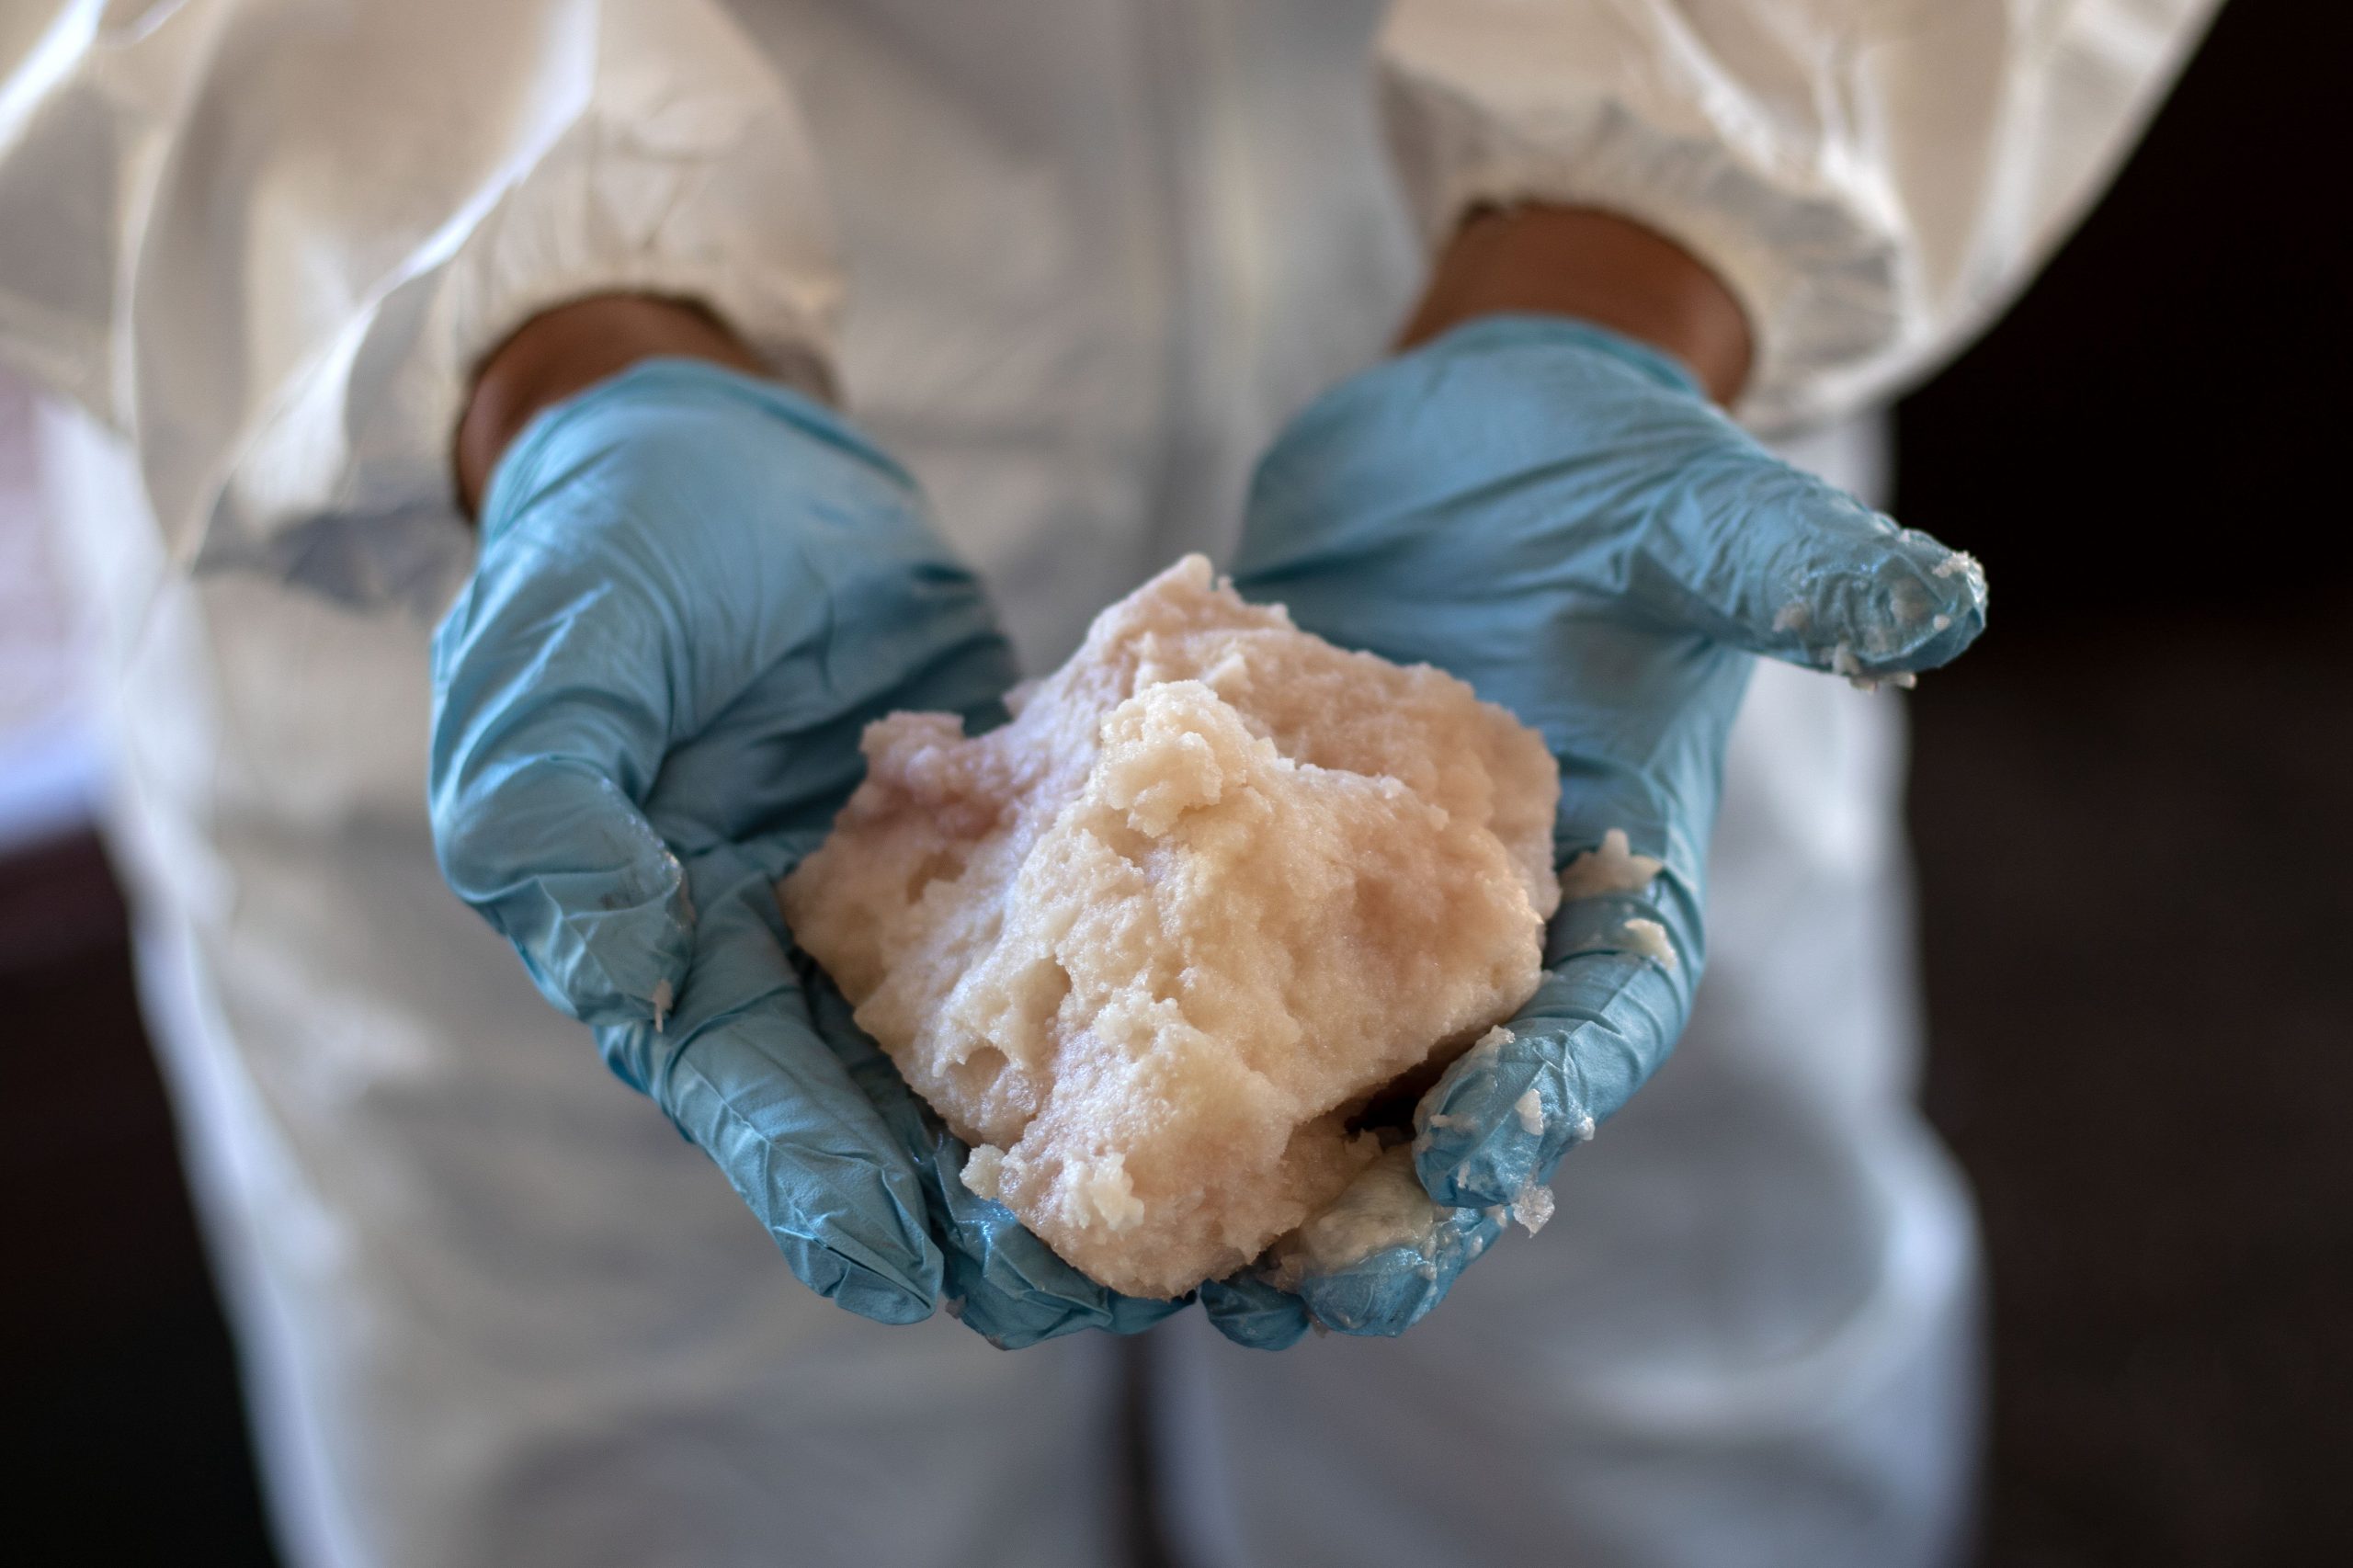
492	1309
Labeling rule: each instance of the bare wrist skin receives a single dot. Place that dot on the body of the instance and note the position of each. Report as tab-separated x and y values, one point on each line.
1598	266
572	346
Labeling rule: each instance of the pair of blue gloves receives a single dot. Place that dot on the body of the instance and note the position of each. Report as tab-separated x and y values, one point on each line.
696	588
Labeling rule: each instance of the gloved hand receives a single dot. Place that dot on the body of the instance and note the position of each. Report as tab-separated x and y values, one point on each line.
1555	513
695	588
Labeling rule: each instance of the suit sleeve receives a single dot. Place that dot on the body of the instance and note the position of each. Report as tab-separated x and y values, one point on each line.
269	240
1874	180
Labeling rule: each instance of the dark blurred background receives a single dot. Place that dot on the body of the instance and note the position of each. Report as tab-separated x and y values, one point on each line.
2133	809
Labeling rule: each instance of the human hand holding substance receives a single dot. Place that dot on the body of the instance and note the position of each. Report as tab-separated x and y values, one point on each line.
1539	496
1155	946
1164	949
696	586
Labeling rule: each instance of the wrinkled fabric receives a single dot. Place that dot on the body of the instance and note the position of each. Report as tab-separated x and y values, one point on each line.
320	231
1873	179
312	283
1558	515
695	590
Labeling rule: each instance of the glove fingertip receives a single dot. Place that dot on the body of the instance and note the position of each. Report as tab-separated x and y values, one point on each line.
868	1291
887	1271
1474	1144
1253	1313
879	1265
1013	1290
1606	1015
1878	607
1384	1295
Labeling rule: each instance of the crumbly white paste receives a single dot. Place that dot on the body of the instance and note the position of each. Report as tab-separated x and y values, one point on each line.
1156	938
982	1169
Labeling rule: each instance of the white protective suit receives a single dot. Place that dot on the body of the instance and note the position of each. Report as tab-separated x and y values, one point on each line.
492	1310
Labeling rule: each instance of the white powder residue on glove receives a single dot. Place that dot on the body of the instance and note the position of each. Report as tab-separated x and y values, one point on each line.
1613	868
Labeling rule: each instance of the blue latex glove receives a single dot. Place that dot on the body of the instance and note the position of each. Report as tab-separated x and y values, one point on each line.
695	588
1557	515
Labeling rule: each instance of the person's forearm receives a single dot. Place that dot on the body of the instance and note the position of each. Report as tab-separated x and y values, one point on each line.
570	347
1596	266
